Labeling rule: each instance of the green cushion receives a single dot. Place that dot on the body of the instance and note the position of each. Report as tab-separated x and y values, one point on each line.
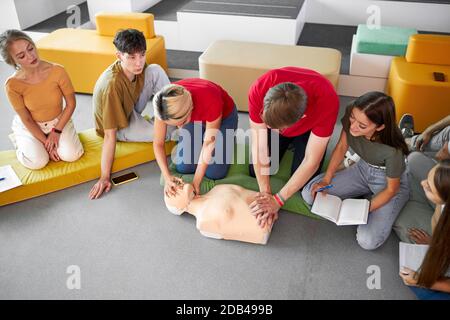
238	174
391	41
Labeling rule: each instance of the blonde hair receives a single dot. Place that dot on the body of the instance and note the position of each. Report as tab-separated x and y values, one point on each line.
172	102
6	39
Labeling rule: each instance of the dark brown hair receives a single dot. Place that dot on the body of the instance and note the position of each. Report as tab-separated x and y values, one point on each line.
380	109
130	41
284	105
437	259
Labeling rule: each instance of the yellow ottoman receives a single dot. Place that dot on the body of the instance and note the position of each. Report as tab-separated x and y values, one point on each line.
411	83
87	53
235	65
59	175
429	49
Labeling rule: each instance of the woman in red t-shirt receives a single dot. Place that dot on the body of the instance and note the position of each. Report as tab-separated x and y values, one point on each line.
295	106
207	118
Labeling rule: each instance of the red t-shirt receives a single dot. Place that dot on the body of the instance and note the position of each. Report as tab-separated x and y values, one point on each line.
323	103
209	99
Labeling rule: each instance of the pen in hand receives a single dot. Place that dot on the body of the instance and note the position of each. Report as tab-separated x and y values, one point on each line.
325	188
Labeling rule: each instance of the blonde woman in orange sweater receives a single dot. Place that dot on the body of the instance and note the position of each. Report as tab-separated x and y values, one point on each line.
43	129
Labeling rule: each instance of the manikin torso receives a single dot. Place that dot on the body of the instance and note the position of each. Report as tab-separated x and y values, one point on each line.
222	213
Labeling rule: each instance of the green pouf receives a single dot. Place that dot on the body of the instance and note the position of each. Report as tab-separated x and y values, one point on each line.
238	174
391	41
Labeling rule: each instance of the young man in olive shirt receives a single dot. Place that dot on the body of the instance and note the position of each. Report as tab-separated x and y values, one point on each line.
120	96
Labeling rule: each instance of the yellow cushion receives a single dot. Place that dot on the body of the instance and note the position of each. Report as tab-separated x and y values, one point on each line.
59	175
85	54
235	65
414	91
429	48
108	23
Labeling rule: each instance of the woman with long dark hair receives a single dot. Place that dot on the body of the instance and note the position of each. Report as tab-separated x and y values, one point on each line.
432	281
369	128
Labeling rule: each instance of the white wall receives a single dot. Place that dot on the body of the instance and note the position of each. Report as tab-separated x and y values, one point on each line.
8	15
196	31
96	6
169	30
426	17
40	10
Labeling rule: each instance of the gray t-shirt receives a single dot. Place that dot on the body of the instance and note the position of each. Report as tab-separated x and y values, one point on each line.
375	153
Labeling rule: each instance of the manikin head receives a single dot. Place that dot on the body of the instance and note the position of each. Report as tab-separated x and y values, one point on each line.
179	203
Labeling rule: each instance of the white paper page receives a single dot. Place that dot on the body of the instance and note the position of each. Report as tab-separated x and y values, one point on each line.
327	206
412	255
353	211
11	179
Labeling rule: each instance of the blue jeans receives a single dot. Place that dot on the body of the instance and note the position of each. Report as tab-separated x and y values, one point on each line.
298	143
436	143
361	179
190	144
428	294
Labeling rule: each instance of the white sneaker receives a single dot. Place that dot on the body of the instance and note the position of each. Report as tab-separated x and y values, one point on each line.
350	159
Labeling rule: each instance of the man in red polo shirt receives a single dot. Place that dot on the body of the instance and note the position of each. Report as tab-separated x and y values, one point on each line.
299	107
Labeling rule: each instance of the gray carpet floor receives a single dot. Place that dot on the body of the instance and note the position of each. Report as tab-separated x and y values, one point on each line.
127	245
167	9
60	20
284	9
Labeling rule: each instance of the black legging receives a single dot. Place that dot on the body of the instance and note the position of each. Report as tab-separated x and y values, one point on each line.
299	143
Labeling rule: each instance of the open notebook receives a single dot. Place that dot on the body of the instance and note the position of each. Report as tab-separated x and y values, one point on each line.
343	213
10	179
412	255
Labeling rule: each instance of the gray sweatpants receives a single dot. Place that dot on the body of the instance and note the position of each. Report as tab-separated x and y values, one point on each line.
139	129
418	210
359	180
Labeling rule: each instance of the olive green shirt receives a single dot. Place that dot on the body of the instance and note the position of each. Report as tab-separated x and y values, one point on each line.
375	153
114	98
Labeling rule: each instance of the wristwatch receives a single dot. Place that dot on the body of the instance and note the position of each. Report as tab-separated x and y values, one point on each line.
56	130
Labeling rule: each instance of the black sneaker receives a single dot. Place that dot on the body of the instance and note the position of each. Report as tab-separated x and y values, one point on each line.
406	125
